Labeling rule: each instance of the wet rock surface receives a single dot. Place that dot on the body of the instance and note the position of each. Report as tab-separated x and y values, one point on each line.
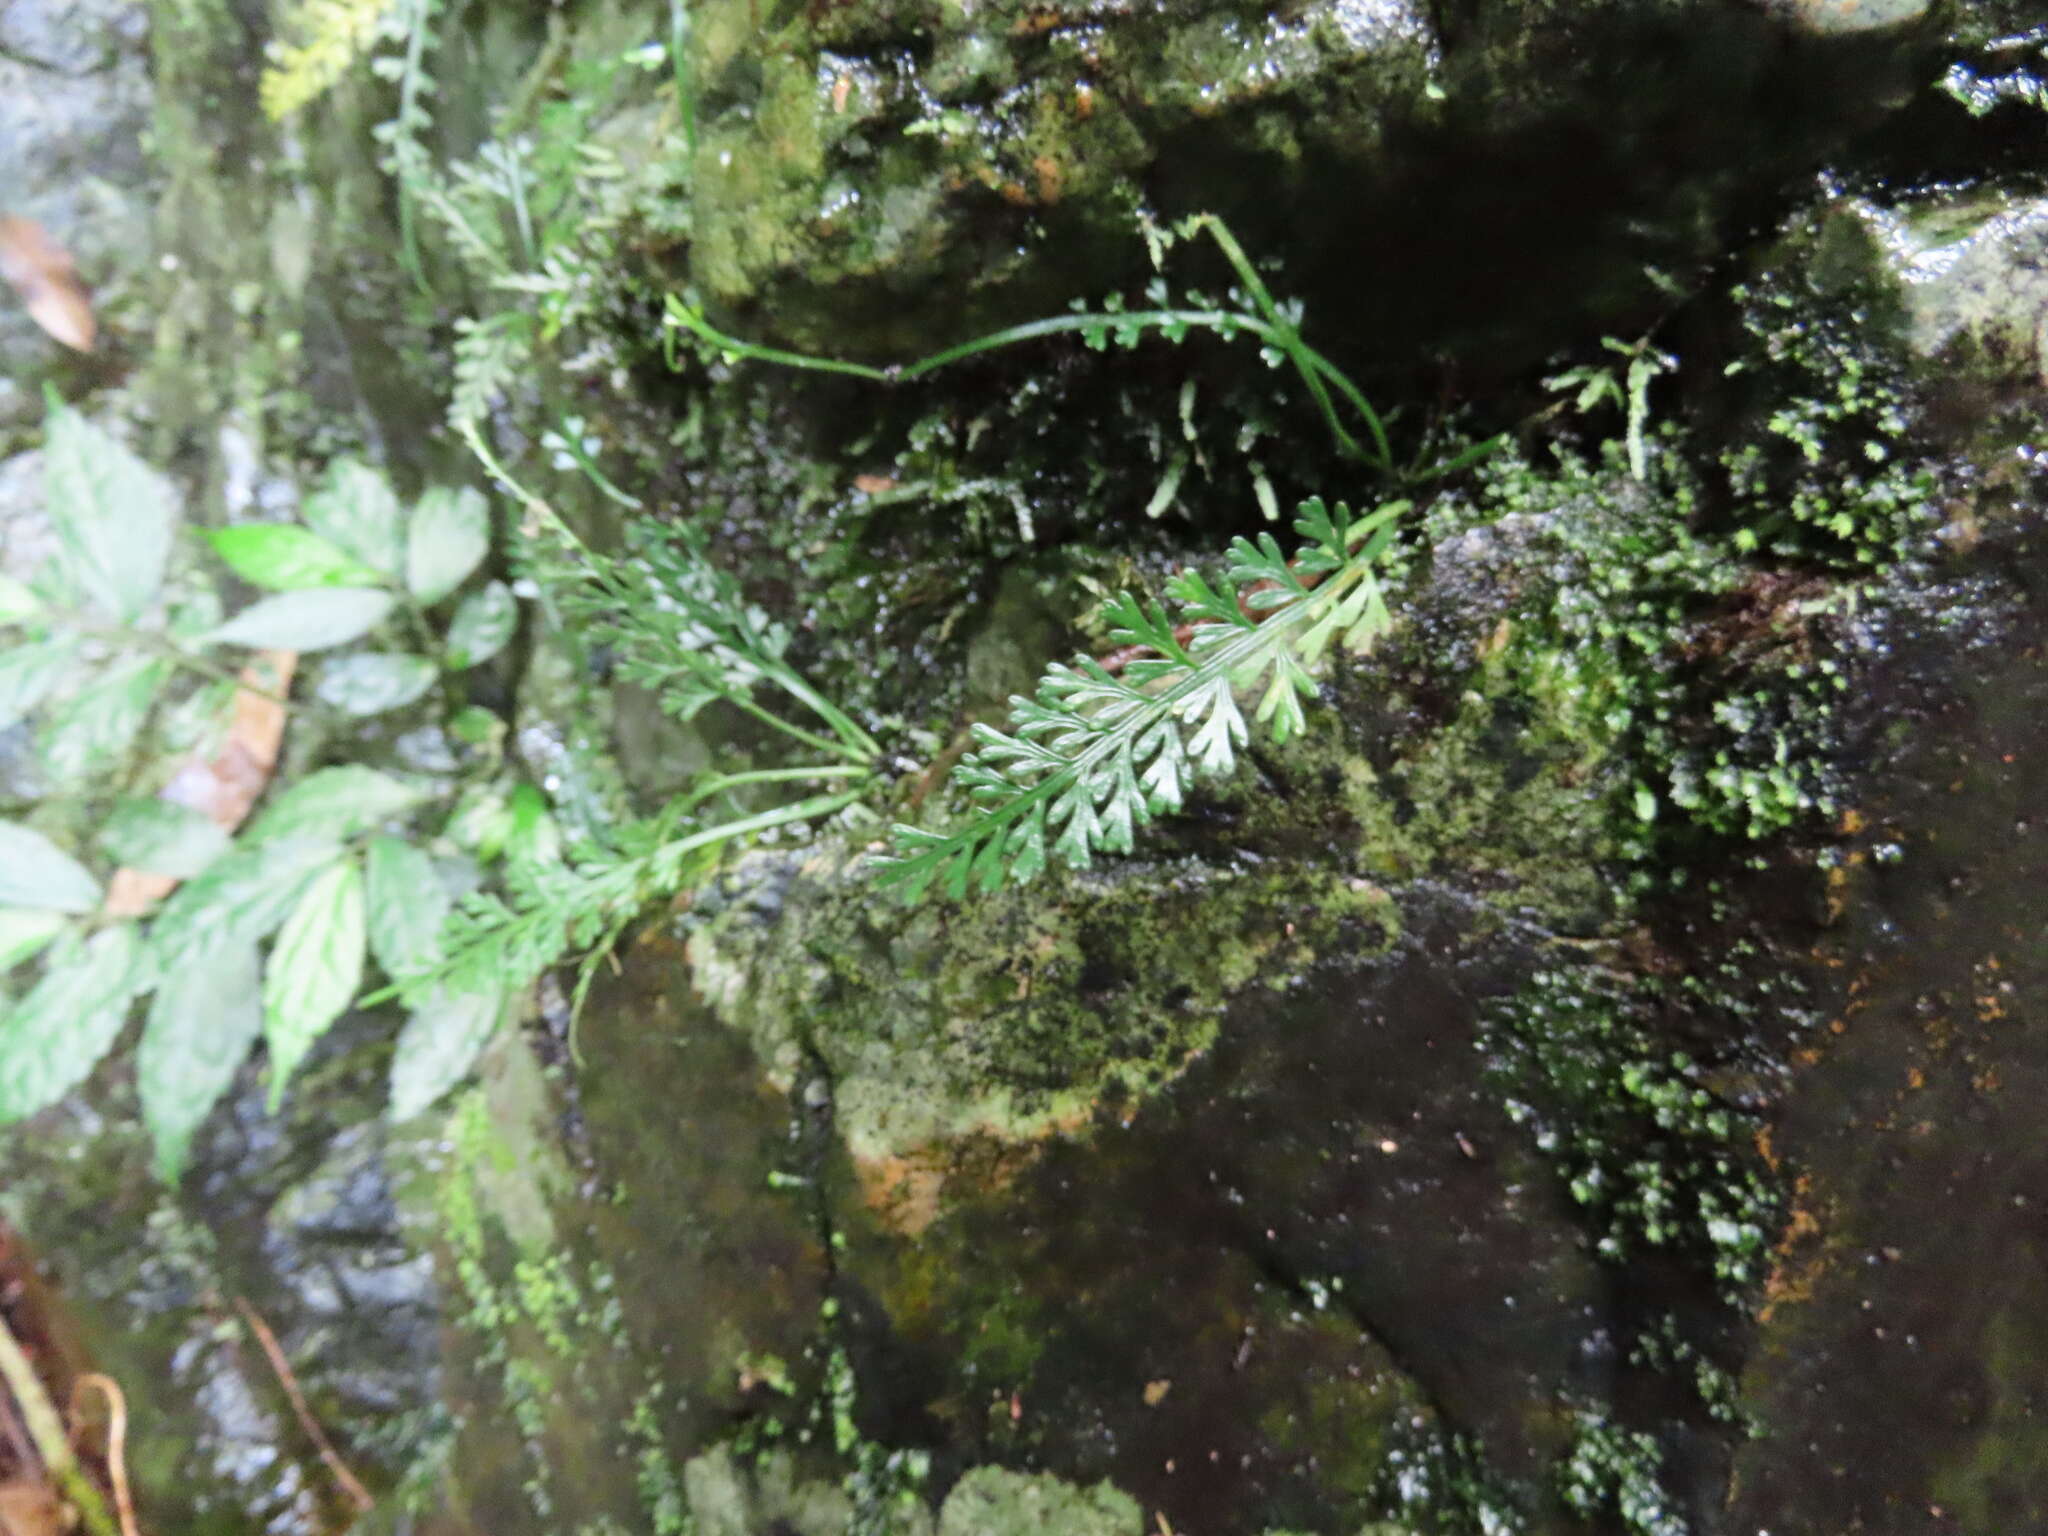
1895	1377
1257	1297
75	100
1198	1192
281	1216
856	159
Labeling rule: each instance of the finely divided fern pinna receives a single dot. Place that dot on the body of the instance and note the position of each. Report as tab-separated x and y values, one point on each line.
1099	753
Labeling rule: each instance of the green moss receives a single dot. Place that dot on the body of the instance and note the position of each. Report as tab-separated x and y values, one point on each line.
1824	463
991	1501
543	1346
1656	1158
1612	1469
2005	1456
1109	984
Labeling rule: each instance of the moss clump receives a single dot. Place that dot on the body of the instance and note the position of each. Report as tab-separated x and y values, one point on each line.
1658	1160
1698	694
1615	1469
1108	985
991	1501
1824	463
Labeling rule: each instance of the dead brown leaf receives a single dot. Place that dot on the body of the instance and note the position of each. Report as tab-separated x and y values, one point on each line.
30	1508
42	272
224	788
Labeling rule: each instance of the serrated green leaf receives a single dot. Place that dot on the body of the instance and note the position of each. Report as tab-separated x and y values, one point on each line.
112	513
439	1044
207	1013
242	895
287	558
28	673
57	1034
36	873
315	967
483	622
162	837
334	804
90	733
24	931
356	509
18	600
449	536
407	905
314	620
374	681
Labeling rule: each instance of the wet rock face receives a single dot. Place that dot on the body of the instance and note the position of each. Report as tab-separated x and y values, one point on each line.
1896	1376
281	1213
1257	1298
1263	1296
74	102
1971	271
855	159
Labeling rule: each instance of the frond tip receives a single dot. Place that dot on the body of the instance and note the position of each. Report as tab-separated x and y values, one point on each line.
1098	754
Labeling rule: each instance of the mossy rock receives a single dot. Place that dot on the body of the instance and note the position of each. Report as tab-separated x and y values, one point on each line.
853	159
990	1501
1098	985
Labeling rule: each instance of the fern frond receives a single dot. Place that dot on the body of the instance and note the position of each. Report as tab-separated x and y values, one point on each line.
490	355
1098	754
332	34
554	910
404	138
682	627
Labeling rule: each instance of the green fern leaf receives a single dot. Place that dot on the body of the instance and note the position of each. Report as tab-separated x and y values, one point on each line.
1097	755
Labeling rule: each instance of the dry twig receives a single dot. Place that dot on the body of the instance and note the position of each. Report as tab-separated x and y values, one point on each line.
117	1441
358	1495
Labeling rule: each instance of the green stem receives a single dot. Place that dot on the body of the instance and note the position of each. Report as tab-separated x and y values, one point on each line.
588	465
1220	320
788	728
725	781
528	499
782	815
852	737
46	1429
1311	365
1270	325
